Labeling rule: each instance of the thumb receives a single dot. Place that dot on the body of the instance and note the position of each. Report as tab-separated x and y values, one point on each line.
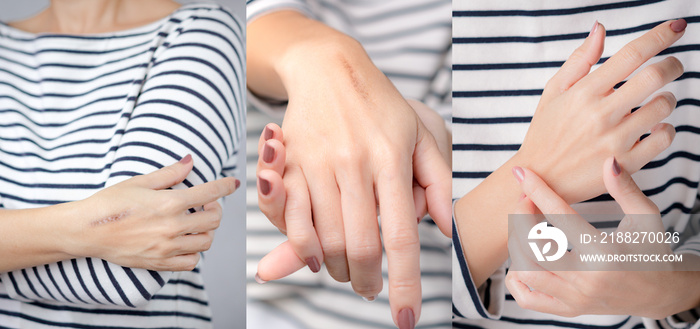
278	263
625	191
432	173
167	176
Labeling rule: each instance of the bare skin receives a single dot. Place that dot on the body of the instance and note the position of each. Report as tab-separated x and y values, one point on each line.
95	16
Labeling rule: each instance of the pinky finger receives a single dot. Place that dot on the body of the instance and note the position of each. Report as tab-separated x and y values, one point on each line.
181	263
660	139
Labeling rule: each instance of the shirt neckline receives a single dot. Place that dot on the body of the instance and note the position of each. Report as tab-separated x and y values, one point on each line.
13	32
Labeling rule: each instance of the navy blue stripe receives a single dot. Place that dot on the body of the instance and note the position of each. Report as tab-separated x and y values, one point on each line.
178	140
466	275
137	283
215	89
560	37
70	286
496	120
29	283
562	323
157	277
116	284
38	277
151	162
53	281
66	324
14	284
553	12
187	283
95	280
182	298
82	283
485	147
55	124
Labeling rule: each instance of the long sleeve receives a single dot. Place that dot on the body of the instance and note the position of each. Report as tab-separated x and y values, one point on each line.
191	101
474	302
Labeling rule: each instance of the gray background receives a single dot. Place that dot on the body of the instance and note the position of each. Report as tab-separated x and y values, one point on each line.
224	271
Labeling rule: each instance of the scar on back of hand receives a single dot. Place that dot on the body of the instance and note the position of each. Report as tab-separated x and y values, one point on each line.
110	219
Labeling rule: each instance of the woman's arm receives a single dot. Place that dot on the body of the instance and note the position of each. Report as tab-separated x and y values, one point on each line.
579	122
191	102
135	223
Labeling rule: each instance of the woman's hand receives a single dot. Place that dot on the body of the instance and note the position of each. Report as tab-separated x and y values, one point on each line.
572	287
580	121
272	194
569	159
137	223
353	144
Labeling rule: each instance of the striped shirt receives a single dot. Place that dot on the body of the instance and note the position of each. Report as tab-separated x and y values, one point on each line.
410	42
82	112
504	53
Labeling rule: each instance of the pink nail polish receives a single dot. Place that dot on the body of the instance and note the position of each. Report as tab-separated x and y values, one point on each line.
679	25
313	264
258	279
594	28
267	133
264	186
616	168
186	159
519	174
268	153
238	183
406	319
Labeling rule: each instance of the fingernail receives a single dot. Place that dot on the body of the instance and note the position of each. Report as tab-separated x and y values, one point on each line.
258	279
406	319
616	167
679	25
186	159
594	28
238	183
519	174
369	299
264	186
267	133
268	153
313	264
418	219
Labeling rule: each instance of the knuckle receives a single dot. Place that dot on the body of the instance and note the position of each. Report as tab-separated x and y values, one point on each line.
299	239
402	240
666	104
334	249
365	256
653	75
366	288
632	54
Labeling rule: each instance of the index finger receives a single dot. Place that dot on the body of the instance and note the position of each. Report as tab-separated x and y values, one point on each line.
634	54
400	232
204	193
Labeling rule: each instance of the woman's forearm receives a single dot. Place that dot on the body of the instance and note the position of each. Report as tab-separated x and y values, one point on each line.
50	240
481	217
283	43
